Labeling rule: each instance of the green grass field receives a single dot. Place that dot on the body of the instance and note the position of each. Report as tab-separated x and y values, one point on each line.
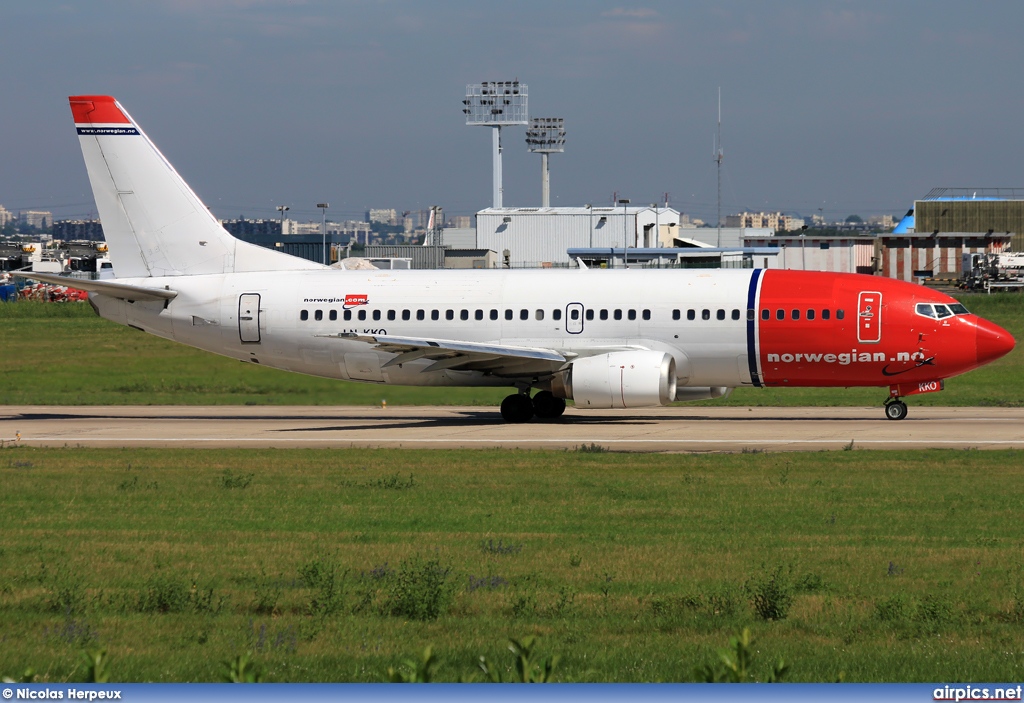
334	565
53	354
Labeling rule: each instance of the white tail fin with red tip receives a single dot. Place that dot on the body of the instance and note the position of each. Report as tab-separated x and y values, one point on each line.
153	223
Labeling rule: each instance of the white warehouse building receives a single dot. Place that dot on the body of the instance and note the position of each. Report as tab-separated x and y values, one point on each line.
540	237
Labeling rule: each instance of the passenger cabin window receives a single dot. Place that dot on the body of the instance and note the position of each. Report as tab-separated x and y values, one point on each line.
603	315
735	314
691	314
449	314
464	314
796	314
347	315
304	315
631	314
391	314
766	314
509	314
574	314
556	314
538	315
675	314
333	315
705	314
376	314
407	315
840	314
720	314
590	313
319	315
479	314
524	314
421	315
750	314
646	314
435	314
780	314
494	314
826	314
617	314
810	313
361	315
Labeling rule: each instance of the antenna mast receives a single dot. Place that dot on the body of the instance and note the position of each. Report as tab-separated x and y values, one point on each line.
718	160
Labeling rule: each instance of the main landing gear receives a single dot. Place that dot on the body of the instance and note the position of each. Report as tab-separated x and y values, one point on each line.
895	409
519	408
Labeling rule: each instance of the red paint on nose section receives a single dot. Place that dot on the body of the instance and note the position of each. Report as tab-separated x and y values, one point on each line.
993	342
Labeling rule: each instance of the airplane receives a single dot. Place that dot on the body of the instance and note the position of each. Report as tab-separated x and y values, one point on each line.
620	338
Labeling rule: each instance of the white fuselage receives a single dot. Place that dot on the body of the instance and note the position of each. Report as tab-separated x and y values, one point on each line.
577	312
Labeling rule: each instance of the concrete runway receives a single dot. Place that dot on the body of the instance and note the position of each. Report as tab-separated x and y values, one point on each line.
673	429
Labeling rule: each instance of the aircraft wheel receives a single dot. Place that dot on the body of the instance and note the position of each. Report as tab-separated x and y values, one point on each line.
896	410
546	406
517	408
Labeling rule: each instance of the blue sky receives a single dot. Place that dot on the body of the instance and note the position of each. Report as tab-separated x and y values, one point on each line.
851	107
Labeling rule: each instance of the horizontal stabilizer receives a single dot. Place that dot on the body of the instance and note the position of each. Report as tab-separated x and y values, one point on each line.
114	290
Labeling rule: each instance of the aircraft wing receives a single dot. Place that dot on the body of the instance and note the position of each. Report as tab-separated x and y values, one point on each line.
114	290
501	360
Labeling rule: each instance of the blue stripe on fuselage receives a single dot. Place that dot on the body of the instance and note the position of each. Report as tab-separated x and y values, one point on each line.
751	330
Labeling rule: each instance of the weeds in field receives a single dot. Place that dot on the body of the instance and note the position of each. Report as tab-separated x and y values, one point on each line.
592	448
76	633
392	483
419	589
261	638
266	593
770	593
325	579
735	664
416	670
65	590
229	479
809	583
894	570
242	669
575	559
490	583
134	485
522	598
163	593
27	676
894	609
97	666
500	549
530	668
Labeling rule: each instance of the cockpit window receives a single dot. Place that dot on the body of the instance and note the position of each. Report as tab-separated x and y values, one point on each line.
939	311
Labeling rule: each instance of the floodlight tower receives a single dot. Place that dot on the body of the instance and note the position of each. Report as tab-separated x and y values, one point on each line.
496	104
546	135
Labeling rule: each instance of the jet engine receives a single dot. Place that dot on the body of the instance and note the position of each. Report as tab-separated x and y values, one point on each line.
629	379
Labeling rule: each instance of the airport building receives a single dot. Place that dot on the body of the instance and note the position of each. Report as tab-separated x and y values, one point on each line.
541	237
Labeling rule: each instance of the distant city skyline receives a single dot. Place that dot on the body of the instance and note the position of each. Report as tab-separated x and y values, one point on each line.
833	107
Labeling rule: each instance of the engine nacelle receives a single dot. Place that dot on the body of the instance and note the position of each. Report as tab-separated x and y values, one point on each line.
630	379
701	393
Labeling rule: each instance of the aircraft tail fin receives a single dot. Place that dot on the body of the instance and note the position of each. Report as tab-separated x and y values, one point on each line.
154	224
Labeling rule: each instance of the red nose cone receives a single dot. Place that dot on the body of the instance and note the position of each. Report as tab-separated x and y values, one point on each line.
993	342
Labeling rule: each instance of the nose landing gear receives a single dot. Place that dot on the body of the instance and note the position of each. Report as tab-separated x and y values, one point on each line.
895	409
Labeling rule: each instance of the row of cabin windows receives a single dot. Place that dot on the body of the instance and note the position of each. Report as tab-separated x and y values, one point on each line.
574	314
524	314
780	314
